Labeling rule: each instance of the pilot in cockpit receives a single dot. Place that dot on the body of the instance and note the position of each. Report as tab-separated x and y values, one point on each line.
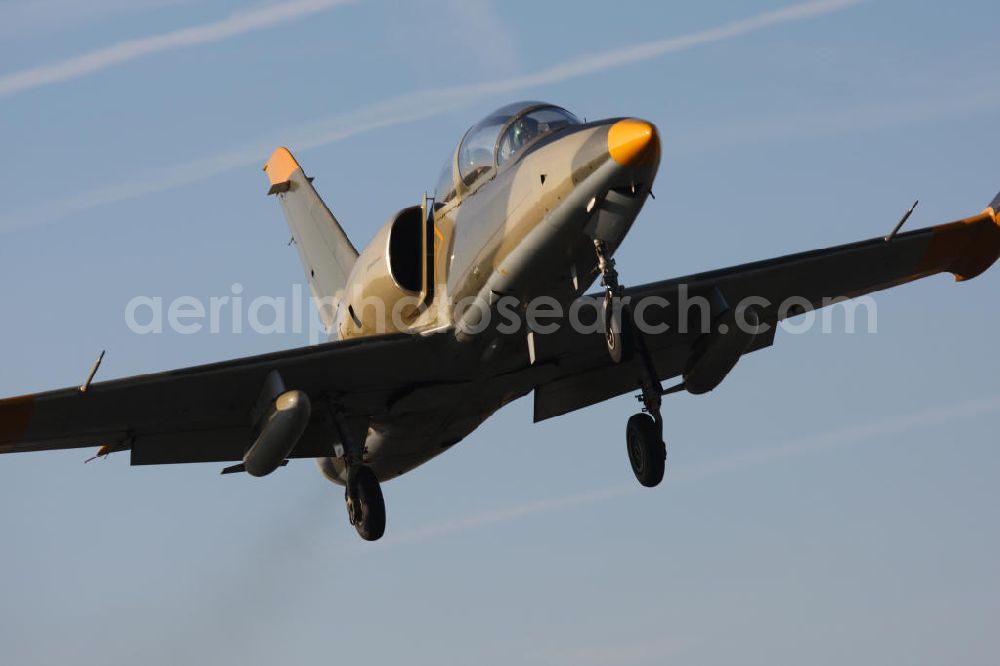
523	132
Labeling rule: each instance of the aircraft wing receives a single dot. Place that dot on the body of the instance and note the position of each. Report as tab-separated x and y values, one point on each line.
203	414
586	375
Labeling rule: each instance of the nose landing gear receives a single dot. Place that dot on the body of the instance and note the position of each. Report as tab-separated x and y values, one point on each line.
617	334
644	433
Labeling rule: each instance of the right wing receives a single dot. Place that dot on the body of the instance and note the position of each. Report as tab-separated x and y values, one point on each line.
203	414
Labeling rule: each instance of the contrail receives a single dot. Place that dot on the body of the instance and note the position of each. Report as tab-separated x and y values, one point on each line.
412	107
898	425
508	514
207	33
648	50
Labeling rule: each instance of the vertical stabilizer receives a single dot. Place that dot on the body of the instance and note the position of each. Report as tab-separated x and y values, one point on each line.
325	250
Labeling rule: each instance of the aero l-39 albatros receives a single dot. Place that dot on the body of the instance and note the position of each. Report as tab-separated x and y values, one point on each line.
426	322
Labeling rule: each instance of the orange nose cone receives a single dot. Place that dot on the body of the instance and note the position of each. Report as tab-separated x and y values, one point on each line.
629	141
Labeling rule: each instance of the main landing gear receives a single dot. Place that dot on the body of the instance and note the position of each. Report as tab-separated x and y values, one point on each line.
644	433
365	505
362	492
646	451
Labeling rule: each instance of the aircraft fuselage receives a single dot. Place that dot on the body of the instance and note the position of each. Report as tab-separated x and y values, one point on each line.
522	229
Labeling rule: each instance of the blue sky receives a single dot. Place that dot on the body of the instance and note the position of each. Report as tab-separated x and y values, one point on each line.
833	501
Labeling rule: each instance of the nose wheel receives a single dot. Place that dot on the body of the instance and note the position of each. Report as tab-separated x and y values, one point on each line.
617	330
365	505
644	433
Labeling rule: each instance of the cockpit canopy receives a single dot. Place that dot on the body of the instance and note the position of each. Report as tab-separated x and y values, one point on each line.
497	138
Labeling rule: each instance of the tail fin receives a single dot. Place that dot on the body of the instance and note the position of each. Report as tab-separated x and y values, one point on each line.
326	253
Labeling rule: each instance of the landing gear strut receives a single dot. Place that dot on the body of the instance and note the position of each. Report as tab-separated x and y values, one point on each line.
617	334
644	434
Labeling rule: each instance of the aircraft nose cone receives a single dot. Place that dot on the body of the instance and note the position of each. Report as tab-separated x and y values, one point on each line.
631	140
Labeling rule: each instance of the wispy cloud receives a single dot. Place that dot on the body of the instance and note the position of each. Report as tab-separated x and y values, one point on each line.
468	21
472	37
629	55
236	24
33	19
966	97
508	514
415	106
883	430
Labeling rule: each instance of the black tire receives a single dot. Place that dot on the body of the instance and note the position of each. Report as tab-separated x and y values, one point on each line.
646	451
369	518
617	331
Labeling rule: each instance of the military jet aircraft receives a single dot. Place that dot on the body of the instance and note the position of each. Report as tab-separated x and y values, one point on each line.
531	207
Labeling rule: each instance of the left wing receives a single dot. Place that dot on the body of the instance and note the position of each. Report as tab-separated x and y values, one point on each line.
586	376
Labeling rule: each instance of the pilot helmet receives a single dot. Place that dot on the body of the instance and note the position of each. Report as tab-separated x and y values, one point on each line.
525	129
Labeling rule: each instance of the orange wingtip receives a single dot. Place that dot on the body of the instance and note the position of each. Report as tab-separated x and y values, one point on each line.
280	166
964	248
